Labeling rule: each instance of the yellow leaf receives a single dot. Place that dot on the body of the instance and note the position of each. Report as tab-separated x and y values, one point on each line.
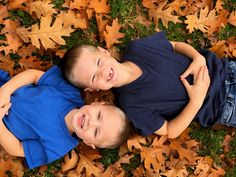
41	8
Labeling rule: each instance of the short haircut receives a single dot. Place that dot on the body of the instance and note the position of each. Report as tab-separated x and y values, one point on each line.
123	134
69	60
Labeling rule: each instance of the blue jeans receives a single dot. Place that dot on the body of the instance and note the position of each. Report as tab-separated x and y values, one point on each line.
228	116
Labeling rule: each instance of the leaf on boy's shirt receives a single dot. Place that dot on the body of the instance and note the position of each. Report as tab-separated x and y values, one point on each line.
45	34
88	165
112	34
100	6
41	8
164	14
70	161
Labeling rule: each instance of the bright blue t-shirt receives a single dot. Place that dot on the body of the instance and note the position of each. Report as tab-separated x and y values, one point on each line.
158	94
37	117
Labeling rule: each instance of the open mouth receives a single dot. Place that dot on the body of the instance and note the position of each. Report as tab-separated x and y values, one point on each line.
81	121
111	74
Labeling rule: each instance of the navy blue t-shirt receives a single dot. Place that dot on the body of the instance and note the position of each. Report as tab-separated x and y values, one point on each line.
37	117
159	94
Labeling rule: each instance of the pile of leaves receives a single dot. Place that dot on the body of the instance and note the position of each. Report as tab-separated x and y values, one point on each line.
36	34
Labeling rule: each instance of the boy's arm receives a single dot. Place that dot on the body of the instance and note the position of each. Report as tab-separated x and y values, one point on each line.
197	93
30	76
7	140
190	52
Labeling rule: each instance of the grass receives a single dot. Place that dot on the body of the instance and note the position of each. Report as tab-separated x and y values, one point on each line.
126	12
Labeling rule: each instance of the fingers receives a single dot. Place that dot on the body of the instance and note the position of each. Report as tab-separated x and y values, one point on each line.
186	84
186	73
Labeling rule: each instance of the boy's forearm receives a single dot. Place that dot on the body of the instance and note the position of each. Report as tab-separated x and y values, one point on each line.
186	49
9	142
177	125
30	76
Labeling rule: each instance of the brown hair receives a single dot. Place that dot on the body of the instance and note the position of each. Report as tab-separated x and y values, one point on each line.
69	60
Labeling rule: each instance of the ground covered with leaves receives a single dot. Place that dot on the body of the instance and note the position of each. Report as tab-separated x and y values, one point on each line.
36	34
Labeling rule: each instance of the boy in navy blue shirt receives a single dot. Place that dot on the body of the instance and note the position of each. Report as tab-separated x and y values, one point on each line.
160	85
46	111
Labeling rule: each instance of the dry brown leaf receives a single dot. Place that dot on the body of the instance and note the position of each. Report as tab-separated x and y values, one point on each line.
70	162
26	50
35	63
90	153
100	6
48	35
135	142
101	24
219	48
164	14
111	172
3	13
7	64
219	5
89	166
41	8
232	18
112	34
13	42
78	4
202	21
13	4
70	18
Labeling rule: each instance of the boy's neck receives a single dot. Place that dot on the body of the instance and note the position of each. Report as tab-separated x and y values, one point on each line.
131	72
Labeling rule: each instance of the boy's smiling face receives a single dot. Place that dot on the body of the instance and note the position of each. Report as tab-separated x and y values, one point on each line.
97	70
97	124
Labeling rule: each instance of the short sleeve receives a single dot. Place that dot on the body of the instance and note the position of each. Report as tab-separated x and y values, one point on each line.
34	153
146	122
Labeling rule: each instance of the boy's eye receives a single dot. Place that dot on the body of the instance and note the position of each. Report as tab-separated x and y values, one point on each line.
95	132
93	78
99	61
99	115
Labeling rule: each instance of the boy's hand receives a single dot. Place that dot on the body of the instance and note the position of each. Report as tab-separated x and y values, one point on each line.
4	110
197	92
5	97
194	67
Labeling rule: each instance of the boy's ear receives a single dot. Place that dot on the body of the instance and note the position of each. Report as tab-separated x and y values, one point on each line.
89	144
103	50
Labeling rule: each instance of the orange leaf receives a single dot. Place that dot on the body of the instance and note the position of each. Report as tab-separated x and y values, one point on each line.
41	8
165	14
112	34
13	4
46	34
35	63
3	13
89	166
70	163
78	4
232	18
100	6
7	64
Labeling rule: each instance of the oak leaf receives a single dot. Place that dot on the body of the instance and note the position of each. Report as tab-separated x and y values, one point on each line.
100	6
78	4
219	48
70	162
12	42
41	8
7	64
34	62
202	21
13	4
90	153
232	18
3	13
71	18
112	172
48	35
135	142
162	13
112	34
101	24
89	166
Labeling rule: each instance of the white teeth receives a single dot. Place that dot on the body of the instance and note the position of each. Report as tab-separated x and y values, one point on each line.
110	75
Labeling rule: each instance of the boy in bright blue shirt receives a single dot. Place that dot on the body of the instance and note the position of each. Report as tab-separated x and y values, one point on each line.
46	111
